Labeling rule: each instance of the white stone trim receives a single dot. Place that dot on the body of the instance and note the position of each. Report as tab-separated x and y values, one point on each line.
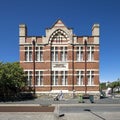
67	91
96	40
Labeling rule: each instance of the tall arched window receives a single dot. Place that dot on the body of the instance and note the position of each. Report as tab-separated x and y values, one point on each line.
58	36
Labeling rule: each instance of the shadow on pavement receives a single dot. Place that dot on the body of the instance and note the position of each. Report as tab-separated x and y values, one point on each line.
88	110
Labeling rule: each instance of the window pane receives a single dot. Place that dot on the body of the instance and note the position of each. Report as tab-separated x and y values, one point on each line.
41	48
37	80
41	56
65	56
52	80
77	80
62	56
26	56
92	80
30	48
92	48
52	56
81	56
88	80
88	56
30	80
62	48
77	55
62	78
26	48
56	48
29	77
37	56
52	48
81	81
41	80
77	48
36	48
56	56
30	56
92	56
66	82
56	80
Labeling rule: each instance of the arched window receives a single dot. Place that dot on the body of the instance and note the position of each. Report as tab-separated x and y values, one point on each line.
58	36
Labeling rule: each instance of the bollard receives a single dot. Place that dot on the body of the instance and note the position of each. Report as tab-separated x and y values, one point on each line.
91	97
80	98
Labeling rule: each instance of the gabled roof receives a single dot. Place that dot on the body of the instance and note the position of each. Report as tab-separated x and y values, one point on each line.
59	23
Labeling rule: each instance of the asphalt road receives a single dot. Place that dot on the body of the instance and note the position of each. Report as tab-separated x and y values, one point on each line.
49	101
93	108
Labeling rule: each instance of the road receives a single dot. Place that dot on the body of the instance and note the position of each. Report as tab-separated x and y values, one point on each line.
93	108
90	112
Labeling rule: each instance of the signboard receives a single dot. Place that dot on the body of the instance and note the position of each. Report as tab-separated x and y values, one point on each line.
59	66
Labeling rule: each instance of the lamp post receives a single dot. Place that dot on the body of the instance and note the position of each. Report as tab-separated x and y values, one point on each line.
33	42
85	43
73	88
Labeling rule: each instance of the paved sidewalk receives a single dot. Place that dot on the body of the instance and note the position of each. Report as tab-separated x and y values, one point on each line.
68	116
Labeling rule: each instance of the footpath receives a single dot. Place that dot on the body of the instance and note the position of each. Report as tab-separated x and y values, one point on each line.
58	114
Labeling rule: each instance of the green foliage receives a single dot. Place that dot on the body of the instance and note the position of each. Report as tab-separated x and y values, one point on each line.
103	86
12	79
114	84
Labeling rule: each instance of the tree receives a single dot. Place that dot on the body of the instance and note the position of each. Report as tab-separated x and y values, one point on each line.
12	79
115	84
103	86
118	84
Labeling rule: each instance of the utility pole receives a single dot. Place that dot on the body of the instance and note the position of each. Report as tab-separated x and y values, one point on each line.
85	43
33	42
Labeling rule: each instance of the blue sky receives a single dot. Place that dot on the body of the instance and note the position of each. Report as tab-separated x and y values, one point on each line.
78	14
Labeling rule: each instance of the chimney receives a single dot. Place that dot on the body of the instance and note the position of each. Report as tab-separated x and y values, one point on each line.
22	30
22	33
95	30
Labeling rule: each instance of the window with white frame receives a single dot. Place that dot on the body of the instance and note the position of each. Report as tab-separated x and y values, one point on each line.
80	77
58	36
29	77
39	78
64	78
79	53
54	77
90	53
90	77
28	53
54	54
63	54
39	53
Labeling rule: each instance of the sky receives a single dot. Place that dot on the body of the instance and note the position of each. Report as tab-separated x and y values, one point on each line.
77	14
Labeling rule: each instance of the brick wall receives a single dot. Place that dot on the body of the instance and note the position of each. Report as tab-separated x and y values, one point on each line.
73	65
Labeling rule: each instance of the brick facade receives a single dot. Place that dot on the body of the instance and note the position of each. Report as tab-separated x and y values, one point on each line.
60	59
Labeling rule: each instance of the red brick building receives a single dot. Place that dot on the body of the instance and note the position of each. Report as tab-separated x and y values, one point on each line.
63	61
